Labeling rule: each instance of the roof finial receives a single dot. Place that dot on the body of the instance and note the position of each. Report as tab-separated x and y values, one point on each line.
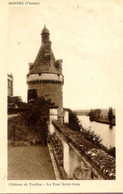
45	30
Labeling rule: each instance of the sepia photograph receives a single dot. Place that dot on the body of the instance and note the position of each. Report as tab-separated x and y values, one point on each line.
63	87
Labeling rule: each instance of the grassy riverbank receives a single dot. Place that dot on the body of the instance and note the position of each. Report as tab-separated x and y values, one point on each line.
105	121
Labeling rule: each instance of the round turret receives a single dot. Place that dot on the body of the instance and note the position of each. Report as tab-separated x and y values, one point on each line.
45	77
45	35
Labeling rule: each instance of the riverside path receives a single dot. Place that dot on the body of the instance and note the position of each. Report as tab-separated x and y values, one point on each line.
29	163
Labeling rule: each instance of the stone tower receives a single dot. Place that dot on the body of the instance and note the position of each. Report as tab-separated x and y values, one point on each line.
45	77
10	84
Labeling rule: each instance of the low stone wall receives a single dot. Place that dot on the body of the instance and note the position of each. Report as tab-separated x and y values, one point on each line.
79	158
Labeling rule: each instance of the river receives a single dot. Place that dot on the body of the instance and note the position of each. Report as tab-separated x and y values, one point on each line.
107	134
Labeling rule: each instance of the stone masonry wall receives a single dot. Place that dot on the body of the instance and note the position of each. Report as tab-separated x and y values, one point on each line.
53	92
93	163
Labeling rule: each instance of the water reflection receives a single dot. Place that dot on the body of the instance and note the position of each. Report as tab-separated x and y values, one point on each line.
106	132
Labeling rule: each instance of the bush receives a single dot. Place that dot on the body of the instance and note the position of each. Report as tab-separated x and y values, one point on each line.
92	137
17	129
38	115
94	115
74	122
31	124
75	125
112	151
38	111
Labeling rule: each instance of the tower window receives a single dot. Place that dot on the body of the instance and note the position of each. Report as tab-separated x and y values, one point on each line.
32	94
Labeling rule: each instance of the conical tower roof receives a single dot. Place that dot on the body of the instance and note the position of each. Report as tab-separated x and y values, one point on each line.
45	60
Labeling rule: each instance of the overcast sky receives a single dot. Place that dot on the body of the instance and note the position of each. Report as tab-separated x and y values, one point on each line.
86	35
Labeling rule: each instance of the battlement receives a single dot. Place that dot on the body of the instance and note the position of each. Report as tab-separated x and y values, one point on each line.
45	77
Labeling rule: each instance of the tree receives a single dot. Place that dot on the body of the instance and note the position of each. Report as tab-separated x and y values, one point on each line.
98	111
16	102
110	115
38	110
94	114
37	116
74	122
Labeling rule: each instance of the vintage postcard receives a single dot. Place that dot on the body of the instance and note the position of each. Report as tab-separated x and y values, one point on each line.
61	96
